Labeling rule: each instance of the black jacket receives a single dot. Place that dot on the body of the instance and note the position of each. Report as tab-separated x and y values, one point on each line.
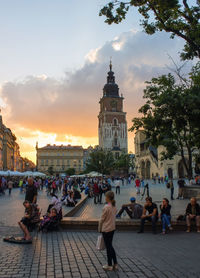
166	210
189	209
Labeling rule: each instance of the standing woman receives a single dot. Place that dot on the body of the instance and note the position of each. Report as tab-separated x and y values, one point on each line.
107	228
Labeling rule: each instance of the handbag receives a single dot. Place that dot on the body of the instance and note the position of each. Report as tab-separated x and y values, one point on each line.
100	243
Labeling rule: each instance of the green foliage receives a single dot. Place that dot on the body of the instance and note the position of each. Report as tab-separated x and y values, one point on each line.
123	162
171	115
179	18
50	170
100	161
70	171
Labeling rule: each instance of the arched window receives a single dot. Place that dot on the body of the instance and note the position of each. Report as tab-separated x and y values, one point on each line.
115	122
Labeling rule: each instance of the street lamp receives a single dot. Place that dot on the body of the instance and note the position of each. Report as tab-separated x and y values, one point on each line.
100	166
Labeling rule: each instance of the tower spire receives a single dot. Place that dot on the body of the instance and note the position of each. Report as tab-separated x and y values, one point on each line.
110	63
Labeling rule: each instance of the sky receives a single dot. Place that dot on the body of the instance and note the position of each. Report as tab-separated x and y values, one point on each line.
54	58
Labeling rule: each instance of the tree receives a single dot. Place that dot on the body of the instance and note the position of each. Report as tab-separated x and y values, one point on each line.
100	161
123	162
70	171
171	116
177	17
50	170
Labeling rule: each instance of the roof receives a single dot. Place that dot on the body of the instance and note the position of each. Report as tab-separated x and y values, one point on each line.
111	89
60	147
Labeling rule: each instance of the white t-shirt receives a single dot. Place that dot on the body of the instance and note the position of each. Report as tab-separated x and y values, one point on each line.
56	204
117	183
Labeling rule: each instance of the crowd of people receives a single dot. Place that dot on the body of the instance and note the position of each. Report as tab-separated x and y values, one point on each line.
71	189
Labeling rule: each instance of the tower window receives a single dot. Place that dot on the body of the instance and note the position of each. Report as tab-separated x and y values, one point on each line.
115	142
115	122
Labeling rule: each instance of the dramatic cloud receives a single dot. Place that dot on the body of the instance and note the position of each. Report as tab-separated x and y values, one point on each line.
69	106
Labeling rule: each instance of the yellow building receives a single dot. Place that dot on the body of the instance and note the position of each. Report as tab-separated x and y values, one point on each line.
148	161
60	158
10	158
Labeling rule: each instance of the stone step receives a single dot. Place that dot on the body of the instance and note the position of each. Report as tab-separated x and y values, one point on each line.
78	223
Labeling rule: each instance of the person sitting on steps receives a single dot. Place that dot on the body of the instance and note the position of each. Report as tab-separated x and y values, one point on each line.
133	209
165	215
193	213
152	216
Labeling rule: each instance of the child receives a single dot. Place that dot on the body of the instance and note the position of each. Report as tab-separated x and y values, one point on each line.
50	221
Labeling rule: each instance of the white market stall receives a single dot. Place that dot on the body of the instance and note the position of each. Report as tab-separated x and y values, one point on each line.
94	174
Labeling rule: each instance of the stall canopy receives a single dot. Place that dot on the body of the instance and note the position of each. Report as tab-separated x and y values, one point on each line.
11	173
33	174
94	174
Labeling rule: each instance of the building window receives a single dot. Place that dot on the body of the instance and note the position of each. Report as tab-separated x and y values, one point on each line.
116	155
115	122
46	161
115	142
58	162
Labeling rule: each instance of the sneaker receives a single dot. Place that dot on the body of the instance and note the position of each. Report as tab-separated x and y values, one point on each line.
140	232
116	267
170	228
188	230
107	268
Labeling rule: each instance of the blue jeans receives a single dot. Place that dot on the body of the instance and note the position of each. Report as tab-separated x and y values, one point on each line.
152	219
165	221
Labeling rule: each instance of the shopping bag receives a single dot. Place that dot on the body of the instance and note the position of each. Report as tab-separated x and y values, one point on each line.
100	243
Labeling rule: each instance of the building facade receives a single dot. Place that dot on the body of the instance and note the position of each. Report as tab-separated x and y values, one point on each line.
112	119
148	161
10	158
60	158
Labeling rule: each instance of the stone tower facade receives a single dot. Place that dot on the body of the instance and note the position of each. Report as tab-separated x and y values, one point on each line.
112	118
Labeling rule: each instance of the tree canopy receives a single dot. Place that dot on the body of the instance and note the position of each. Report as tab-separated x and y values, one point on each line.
177	17
51	170
171	116
70	171
101	162
123	162
104	162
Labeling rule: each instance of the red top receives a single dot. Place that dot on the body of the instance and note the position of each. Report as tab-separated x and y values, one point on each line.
96	188
137	182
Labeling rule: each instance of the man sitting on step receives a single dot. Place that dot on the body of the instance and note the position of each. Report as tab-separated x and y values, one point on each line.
133	209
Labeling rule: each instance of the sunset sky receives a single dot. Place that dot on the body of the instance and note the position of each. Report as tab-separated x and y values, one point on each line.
54	60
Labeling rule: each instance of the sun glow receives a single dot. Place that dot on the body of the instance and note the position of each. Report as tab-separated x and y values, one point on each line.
28	143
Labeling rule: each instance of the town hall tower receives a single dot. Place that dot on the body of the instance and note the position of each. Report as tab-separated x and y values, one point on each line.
112	119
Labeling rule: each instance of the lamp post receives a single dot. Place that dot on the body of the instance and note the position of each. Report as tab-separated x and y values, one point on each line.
100	162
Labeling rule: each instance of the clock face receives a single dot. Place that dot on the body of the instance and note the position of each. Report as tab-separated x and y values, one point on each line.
113	103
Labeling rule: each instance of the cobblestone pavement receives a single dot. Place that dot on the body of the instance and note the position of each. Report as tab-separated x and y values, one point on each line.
157	192
73	255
